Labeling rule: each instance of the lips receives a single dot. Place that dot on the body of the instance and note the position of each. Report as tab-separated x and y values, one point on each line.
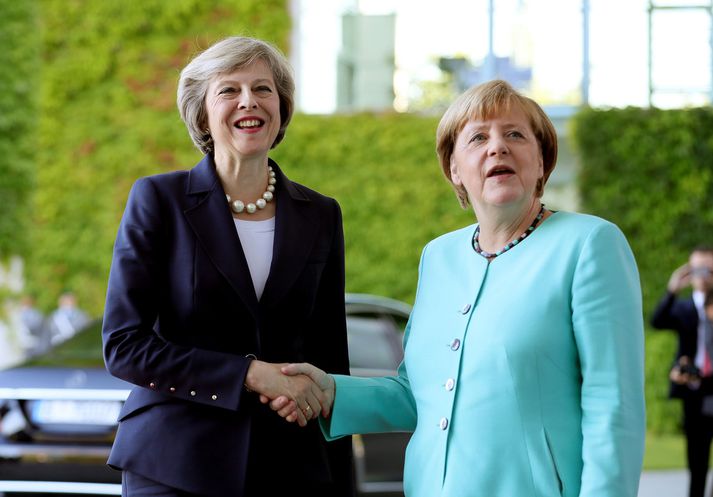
499	171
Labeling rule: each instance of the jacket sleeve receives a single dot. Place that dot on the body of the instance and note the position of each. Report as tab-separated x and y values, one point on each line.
133	351
608	326
373	405
664	316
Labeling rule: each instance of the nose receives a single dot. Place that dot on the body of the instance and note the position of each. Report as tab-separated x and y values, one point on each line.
497	145
247	100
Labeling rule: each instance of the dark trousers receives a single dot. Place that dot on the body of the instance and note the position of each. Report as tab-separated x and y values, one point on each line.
699	434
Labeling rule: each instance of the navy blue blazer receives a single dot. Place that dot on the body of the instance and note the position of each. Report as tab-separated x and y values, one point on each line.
681	316
182	320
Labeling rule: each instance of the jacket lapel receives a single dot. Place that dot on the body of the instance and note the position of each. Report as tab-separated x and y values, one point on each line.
213	225
295	234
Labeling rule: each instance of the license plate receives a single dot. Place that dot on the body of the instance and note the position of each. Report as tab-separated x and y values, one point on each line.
93	412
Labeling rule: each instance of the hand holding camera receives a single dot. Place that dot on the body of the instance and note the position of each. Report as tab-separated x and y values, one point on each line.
684	372
698	276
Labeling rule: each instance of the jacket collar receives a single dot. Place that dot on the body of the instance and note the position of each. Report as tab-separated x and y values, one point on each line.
212	222
203	178
295	234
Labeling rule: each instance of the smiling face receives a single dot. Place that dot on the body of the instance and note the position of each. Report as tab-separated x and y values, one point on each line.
497	160
243	109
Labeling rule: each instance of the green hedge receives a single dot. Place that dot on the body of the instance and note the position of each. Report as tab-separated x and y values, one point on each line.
108	116
19	83
382	168
384	172
651	172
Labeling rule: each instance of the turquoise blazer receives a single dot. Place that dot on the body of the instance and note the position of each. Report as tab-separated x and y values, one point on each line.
521	377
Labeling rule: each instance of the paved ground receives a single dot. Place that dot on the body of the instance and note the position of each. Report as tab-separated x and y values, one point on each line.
664	484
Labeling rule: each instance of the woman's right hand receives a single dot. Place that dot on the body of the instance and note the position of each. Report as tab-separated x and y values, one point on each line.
299	390
287	408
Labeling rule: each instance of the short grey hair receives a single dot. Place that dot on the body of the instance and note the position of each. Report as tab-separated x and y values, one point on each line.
230	54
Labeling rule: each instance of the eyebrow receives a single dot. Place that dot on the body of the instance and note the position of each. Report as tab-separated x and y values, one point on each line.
506	126
253	82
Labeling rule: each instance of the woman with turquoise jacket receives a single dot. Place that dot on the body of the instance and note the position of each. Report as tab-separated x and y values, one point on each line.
523	369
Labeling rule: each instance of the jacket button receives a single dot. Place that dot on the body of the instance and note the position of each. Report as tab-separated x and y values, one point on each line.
214	397
450	384
152	385
455	344
193	393
465	309
172	390
443	423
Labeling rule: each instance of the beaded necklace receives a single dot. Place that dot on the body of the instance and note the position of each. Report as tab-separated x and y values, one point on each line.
238	206
510	245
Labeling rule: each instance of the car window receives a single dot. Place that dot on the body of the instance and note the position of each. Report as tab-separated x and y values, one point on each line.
399	321
371	343
83	350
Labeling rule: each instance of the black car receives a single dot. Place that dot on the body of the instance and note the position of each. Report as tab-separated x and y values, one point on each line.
58	412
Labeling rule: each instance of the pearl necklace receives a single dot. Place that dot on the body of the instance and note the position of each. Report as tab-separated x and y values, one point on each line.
510	245
238	206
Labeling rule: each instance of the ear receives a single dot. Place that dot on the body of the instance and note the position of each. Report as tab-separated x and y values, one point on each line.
455	177
541	167
540	176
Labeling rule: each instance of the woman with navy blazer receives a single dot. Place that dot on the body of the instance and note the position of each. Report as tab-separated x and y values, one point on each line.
523	366
221	274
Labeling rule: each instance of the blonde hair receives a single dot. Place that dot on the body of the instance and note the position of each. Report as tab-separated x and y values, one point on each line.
230	54
486	101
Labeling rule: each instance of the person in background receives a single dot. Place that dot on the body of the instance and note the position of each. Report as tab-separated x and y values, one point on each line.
220	274
35	326
692	374
66	320
523	372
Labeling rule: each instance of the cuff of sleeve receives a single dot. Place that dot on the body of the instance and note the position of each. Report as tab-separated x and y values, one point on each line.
250	358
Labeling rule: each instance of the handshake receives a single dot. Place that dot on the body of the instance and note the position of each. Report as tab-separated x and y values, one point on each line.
297	392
